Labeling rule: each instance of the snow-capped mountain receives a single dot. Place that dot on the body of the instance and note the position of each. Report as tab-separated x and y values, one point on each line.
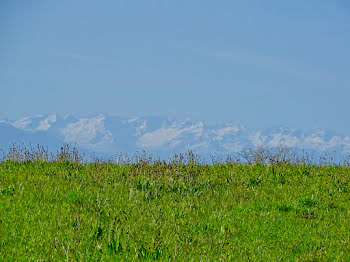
160	135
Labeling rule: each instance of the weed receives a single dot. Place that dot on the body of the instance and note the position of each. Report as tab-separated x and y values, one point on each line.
61	207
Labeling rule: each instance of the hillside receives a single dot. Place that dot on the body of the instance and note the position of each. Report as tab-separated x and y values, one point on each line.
107	212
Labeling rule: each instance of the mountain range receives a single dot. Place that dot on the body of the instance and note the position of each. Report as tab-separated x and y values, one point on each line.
159	135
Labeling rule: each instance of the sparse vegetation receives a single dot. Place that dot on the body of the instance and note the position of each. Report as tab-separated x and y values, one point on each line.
267	207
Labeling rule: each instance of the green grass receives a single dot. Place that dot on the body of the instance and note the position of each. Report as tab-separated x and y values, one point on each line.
70	211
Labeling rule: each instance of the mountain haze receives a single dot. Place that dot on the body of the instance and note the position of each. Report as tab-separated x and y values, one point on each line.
159	135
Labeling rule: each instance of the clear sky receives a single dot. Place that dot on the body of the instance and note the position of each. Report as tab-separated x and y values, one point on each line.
258	63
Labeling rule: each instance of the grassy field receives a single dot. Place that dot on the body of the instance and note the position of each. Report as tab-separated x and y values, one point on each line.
102	211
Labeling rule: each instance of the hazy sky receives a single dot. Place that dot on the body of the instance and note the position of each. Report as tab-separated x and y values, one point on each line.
258	63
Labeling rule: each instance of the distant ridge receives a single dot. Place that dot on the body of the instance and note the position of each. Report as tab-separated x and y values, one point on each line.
160	135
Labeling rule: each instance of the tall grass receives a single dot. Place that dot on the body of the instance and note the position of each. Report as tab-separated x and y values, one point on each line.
260	155
259	206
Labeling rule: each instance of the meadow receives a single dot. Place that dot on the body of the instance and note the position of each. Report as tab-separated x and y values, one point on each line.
185	210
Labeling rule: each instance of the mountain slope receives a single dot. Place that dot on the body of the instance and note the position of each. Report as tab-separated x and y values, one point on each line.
159	135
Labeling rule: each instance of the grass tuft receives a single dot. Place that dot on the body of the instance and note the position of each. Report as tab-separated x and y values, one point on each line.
64	208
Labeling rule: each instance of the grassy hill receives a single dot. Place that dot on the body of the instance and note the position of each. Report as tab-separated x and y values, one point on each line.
64	210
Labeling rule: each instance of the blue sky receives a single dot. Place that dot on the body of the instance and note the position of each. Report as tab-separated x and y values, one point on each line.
258	63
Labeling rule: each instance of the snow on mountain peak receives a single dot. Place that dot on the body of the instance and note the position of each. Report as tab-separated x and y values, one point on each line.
22	123
104	133
131	120
46	123
167	134
227	130
88	132
35	123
